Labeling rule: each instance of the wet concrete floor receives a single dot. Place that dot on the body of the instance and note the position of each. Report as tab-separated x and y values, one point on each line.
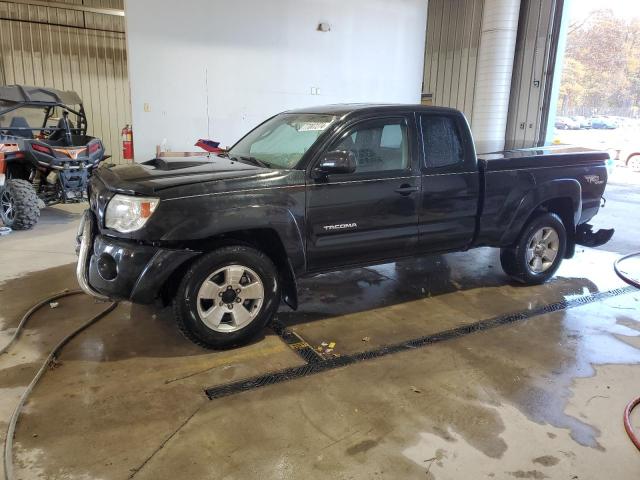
539	398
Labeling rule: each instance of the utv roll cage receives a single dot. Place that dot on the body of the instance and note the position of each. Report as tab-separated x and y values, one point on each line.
14	97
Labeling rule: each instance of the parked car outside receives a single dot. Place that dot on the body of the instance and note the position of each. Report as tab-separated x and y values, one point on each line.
583	122
603	123
629	155
566	123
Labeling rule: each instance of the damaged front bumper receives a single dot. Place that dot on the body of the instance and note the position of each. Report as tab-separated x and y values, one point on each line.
114	269
84	241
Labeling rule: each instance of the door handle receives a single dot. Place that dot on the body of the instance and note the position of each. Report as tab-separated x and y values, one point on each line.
406	189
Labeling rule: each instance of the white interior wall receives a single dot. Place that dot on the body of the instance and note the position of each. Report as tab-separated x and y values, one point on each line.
214	68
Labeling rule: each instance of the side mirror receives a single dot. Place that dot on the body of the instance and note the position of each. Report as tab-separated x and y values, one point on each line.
337	161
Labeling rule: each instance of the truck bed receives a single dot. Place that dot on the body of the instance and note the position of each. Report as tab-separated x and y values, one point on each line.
513	179
549	156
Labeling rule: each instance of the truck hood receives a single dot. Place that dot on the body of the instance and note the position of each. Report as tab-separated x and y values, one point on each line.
161	176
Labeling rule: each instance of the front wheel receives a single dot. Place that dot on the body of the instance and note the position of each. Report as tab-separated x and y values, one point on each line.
538	252
18	205
227	297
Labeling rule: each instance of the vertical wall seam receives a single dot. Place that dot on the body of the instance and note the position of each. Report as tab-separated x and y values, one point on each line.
475	77
436	99
532	75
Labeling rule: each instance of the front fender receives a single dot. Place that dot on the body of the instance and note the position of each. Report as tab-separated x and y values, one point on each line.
539	194
204	221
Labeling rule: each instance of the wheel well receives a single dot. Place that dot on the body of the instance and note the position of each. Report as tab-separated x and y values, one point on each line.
19	171
264	239
630	156
563	207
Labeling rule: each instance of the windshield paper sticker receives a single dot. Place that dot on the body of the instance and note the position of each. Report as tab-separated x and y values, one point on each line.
313	126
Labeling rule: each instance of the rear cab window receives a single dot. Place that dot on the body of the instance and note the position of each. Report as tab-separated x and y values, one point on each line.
442	143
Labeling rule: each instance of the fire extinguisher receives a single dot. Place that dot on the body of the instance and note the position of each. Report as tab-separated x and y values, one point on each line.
127	143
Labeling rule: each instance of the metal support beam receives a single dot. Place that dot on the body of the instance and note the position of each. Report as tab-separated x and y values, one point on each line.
493	77
70	6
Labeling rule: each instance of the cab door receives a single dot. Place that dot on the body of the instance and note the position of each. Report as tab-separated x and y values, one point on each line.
371	214
450	183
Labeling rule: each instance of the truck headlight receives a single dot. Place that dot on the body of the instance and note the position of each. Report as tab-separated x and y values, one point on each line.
126	213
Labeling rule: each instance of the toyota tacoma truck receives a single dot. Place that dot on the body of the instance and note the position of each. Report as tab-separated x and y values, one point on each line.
224	238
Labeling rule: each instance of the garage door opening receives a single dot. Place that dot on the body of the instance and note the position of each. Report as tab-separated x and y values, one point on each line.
599	92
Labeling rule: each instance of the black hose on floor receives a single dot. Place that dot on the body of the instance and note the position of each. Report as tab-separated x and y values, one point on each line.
26	316
633	403
623	275
8	441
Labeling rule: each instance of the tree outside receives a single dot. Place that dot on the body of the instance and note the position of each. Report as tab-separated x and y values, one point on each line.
601	74
599	93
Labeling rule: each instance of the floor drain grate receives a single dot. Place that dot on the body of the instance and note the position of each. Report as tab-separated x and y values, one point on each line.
296	343
317	365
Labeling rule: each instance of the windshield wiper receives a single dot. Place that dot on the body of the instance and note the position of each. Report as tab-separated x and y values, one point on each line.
255	161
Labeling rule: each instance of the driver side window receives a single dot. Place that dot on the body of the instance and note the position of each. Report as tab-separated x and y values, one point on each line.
377	146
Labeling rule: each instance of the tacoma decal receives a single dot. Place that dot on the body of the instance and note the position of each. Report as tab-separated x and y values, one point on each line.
340	226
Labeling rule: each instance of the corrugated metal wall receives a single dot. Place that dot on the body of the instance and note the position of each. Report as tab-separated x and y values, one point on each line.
451	52
532	72
451	55
71	50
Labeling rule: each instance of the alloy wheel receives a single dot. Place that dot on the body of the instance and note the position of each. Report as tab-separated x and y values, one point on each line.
230	298
542	249
7	209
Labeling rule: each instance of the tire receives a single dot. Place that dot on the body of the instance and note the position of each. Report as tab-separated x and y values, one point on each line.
19	205
528	261
633	163
205	286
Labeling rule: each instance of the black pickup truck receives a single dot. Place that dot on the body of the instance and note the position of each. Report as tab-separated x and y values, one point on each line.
224	237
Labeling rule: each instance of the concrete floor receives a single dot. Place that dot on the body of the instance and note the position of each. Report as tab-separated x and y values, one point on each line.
539	398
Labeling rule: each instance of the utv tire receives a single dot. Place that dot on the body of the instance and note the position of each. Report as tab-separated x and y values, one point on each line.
227	297
19	205
538	252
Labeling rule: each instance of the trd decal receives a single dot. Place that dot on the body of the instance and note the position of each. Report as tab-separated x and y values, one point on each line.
595	179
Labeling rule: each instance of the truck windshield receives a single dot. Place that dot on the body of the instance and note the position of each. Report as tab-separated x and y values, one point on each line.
281	141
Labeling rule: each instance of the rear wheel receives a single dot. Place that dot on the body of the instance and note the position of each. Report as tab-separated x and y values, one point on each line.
227	297
19	205
538	252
